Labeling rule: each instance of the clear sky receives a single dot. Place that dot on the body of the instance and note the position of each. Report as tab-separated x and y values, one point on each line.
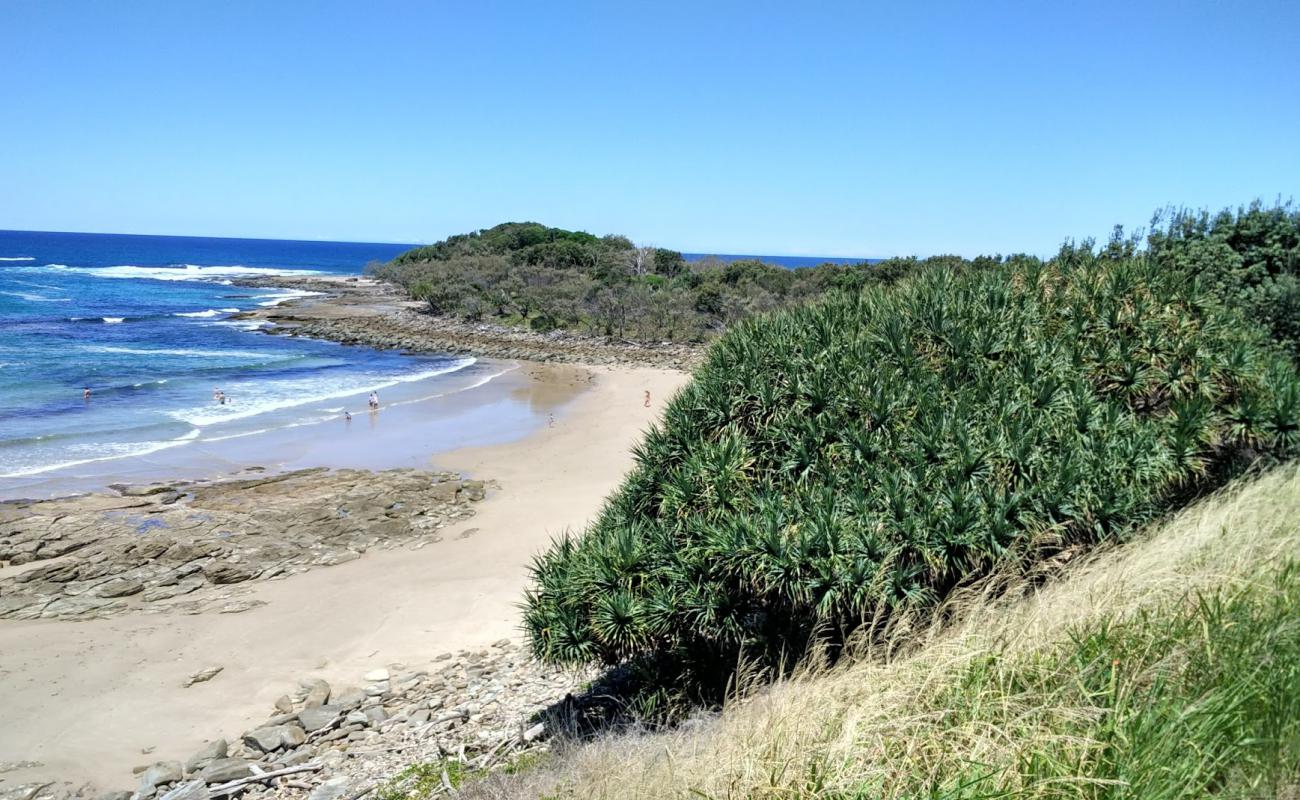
856	129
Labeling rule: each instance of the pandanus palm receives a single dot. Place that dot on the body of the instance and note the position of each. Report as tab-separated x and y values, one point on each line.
832	464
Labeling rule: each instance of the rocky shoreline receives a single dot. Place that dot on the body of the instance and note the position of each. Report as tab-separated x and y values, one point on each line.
466	712
368	312
198	547
194	547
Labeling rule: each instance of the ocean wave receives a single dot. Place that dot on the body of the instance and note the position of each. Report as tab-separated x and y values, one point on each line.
211	312
246	324
36	298
17	258
146	351
33	283
240	407
465	388
113	320
113	451
181	272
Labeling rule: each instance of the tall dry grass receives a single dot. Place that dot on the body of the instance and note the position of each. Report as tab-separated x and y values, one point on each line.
994	691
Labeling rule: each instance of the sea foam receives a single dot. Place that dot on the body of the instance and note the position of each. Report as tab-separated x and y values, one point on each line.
182	272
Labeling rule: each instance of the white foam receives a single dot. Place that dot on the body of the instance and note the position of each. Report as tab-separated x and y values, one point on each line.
143	351
17	258
114	451
211	312
245	402
283	295
113	320
246	324
465	388
183	272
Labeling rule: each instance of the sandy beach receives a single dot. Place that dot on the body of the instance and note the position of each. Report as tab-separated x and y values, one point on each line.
85	701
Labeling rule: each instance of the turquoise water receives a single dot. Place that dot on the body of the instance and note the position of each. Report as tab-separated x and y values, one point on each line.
144	323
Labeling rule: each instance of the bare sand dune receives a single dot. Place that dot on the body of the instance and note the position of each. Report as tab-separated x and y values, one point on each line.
87	699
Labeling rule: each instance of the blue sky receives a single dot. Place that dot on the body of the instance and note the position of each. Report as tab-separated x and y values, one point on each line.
856	129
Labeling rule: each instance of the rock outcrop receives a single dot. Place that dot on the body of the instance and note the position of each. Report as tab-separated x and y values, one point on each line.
190	547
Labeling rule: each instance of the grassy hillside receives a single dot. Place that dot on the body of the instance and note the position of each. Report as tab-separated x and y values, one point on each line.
836	466
1167	667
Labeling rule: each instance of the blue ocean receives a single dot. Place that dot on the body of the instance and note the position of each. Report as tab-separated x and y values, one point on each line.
143	321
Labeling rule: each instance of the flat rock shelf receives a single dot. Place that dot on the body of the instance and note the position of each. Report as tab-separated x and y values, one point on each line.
192	547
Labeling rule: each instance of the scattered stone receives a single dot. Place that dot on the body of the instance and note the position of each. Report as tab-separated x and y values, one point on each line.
210	752
348	699
284	705
318	693
332	789
377	675
202	676
159	774
319	717
192	790
222	770
275	737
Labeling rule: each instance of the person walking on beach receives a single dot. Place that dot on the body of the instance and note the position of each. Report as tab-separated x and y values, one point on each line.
347	416
647	398
374	401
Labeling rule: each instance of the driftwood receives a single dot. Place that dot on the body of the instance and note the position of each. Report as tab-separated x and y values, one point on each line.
230	788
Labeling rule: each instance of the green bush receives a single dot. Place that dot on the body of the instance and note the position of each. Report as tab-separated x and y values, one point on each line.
1249	257
831	466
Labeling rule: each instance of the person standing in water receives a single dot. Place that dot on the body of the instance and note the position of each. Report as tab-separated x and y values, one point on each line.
85	393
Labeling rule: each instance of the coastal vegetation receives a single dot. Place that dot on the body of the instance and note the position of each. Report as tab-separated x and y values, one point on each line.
1249	257
1167	666
548	278
835	468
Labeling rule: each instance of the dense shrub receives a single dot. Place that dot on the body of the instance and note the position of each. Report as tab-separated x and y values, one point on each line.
1249	257
831	465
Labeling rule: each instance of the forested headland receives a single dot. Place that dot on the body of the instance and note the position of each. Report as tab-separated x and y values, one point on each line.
526	274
